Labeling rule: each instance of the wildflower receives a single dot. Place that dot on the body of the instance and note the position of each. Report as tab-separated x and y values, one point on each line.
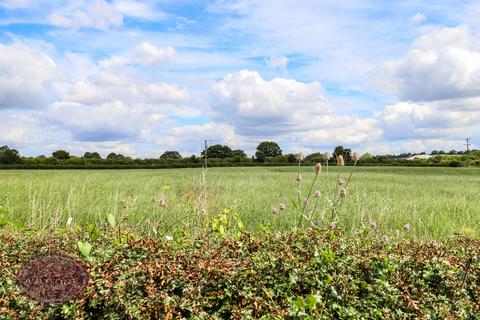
169	238
161	201
274	210
385	239
340	182
69	221
355	156
282	206
397	233
318	194
406	227
340	161
317	168
299	178
300	156
343	192
373	225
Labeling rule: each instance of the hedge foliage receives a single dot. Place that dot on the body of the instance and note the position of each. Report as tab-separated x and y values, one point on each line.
310	274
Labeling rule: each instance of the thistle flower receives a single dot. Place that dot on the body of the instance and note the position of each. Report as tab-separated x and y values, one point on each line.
340	161
282	206
274	210
385	239
318	194
299	178
406	227
373	225
355	156
340	182
317	168
299	157
343	193
161	201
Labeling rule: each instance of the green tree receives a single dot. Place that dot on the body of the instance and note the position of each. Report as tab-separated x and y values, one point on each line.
114	156
171	155
92	155
238	154
218	151
9	156
61	155
267	149
338	151
316	157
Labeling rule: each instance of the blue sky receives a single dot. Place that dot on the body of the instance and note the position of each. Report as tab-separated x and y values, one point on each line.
143	77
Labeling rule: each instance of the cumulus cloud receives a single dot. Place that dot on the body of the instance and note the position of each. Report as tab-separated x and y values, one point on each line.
25	77
144	54
443	64
283	108
96	14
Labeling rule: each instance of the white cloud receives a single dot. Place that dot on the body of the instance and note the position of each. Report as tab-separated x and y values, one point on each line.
284	108
144	54
25	77
96	14
443	64
418	18
137	9
278	62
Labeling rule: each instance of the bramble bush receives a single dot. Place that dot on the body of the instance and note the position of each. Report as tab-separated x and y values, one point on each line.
308	274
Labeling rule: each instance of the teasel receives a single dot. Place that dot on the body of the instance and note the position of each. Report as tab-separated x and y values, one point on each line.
355	157
340	161
343	193
300	157
318	168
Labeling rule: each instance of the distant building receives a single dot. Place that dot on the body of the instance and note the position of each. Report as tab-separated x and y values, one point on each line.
420	156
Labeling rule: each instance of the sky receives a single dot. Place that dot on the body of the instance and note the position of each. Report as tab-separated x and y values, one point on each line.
143	77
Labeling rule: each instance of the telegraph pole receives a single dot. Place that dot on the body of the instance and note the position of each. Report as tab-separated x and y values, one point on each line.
468	144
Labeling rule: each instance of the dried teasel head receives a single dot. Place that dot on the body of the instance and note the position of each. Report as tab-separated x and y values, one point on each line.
327	155
318	194
340	161
282	206
343	193
385	239
406	227
373	225
317	168
274	210
355	156
299	178
299	157
340	182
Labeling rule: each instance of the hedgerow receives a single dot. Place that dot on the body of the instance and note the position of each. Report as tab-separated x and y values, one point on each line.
310	274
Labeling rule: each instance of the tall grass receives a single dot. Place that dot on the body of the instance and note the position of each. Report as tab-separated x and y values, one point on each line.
436	202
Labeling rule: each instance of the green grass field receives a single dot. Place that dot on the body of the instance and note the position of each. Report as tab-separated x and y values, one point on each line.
436	202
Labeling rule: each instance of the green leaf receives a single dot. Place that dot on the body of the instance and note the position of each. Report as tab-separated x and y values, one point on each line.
300	303
85	248
111	221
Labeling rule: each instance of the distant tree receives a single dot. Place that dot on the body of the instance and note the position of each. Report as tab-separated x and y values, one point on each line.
114	156
366	157
218	151
434	152
61	155
452	152
171	155
92	155
316	157
338	151
267	149
347	154
9	156
238	154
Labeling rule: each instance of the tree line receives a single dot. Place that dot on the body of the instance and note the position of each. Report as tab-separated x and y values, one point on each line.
267	153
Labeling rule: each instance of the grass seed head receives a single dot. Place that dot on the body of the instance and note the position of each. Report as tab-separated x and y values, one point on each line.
317	168
340	161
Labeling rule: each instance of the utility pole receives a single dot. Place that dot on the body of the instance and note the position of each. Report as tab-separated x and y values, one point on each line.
468	144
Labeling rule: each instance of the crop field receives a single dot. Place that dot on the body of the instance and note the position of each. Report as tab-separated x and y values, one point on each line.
435	202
